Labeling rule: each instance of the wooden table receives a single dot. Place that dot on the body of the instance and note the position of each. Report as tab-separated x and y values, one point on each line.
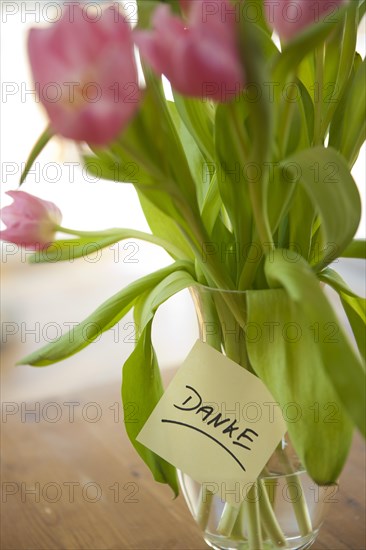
71	480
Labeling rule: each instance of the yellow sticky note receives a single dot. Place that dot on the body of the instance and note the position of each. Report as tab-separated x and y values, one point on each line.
216	422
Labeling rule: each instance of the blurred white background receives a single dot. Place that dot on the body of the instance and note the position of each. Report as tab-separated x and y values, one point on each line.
43	299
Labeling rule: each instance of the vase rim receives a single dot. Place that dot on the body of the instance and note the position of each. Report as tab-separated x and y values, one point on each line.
199	286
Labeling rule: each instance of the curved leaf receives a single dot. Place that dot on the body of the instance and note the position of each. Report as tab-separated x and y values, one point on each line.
103	318
163	225
348	128
354	306
283	353
325	176
356	249
142	386
338	359
338	63
36	151
211	205
147	305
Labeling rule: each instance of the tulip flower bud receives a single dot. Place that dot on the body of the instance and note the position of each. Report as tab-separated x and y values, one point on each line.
200	56
289	17
30	221
86	74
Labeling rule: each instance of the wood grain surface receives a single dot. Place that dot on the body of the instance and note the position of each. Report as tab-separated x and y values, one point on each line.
71	480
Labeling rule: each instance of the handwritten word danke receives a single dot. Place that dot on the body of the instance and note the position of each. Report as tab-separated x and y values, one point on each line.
231	428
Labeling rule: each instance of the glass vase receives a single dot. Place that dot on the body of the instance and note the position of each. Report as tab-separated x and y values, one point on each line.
284	508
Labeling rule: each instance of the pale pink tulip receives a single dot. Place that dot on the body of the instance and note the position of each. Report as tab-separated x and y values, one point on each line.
85	74
199	56
289	17
30	221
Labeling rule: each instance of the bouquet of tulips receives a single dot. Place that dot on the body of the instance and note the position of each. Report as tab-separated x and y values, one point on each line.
244	176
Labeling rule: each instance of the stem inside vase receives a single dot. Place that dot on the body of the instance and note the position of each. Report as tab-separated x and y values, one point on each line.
255	523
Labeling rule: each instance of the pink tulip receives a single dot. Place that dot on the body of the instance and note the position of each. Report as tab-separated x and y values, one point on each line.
85	74
289	17
199	57
30	221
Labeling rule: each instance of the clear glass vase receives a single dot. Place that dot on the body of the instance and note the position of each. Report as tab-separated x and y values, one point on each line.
284	508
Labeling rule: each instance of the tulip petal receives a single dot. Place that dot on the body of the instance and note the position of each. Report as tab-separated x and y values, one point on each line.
86	74
192	57
30	221
289	17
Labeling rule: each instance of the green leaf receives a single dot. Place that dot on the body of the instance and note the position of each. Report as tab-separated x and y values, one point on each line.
347	137
354	306
307	110
212	205
142	386
232	160
163	225
146	307
198	118
284	355
281	194
103	165
253	43
300	222
260	17
196	161
171	152
356	249
333	279
361	10
141	378
148	153
146	9
325	176
103	318
340	362
261	122
338	63
36	151
297	109
355	309
144	140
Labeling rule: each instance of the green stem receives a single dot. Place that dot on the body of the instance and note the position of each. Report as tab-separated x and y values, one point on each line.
230	329
250	269
269	520
227	520
238	531
204	507
213	268
253	519
296	492
270	485
208	321
121	234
